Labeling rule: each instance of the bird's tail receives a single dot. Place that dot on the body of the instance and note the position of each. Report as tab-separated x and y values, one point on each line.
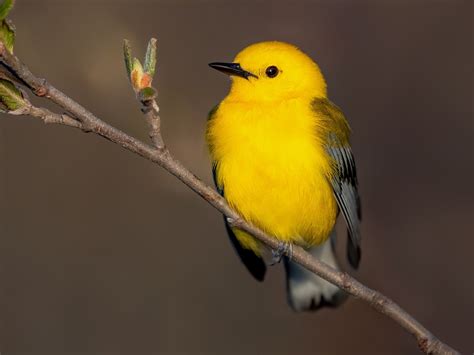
308	292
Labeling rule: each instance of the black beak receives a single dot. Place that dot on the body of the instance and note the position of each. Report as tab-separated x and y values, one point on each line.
232	69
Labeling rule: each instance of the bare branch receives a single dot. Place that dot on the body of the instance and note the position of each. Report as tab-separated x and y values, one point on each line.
159	154
147	98
51	117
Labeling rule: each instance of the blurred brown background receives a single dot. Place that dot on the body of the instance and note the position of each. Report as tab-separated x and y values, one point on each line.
103	252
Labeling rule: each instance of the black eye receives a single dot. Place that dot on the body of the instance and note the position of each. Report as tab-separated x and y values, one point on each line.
271	71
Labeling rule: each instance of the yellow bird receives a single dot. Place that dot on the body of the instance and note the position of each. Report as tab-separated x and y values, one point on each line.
282	159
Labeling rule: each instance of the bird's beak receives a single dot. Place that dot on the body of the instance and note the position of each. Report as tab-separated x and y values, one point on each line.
232	69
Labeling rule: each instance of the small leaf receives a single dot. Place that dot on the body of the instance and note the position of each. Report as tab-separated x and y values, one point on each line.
5	8
147	94
11	97
7	34
150	57
146	81
127	56
7	30
137	74
140	76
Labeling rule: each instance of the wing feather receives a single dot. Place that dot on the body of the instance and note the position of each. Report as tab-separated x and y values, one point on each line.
334	131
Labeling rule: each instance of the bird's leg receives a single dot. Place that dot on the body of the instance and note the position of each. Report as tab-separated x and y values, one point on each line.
283	248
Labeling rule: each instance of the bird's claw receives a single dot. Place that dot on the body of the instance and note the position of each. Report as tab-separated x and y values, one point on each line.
283	248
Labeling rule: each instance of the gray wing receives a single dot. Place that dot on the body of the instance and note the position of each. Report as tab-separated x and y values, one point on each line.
344	185
344	182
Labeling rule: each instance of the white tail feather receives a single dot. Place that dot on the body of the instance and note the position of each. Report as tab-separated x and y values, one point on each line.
306	291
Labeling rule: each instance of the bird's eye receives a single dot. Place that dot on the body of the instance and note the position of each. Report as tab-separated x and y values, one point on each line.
271	71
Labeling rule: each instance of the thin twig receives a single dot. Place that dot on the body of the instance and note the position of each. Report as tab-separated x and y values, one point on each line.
159	154
51	117
151	111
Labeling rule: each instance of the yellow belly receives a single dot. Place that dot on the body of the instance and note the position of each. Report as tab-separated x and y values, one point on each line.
275	173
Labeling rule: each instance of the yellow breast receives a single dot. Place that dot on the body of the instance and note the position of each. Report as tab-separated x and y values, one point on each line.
273	169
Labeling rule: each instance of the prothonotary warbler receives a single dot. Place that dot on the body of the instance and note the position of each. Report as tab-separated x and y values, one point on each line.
282	159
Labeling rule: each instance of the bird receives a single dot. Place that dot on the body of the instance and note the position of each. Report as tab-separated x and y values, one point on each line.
281	158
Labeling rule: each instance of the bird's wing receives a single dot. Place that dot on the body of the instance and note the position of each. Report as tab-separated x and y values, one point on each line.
254	264
335	131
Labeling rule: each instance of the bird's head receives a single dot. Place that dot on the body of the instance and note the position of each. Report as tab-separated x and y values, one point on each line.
271	71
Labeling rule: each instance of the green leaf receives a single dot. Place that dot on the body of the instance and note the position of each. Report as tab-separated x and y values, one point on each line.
7	30
10	97
140	76
147	94
150	57
137	73
5	8
7	34
127	56
137	66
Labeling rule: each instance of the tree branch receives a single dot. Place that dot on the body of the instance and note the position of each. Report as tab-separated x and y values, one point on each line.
159	154
50	117
151	111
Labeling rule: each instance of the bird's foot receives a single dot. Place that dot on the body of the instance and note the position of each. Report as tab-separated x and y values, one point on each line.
283	248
